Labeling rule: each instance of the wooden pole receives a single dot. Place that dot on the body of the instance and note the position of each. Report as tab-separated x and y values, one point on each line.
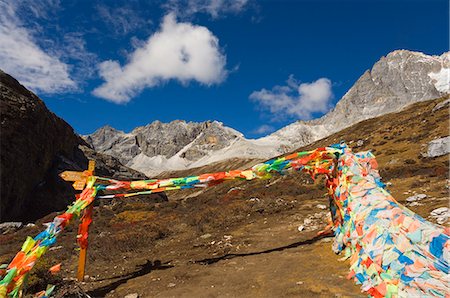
80	180
84	229
81	264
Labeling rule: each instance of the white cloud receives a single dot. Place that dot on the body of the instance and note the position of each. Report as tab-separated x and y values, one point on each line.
21	56
43	9
215	8
296	99
122	20
72	48
180	51
263	129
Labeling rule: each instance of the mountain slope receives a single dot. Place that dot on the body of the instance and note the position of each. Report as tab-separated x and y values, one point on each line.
242	238
395	81
36	145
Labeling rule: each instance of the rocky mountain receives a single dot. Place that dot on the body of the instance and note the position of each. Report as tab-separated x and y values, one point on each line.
36	145
395	81
159	146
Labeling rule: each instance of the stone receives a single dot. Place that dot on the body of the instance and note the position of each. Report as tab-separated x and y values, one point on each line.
441	105
133	295
417	197
206	236
307	221
439	147
8	227
301	228
413	204
440	214
321	206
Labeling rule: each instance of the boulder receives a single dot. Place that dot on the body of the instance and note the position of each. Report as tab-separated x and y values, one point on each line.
439	147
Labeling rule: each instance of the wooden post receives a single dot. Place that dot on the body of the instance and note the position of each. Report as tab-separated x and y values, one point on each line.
84	228
80	180
81	264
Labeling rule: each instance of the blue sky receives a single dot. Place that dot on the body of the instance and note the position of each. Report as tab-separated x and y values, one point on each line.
254	65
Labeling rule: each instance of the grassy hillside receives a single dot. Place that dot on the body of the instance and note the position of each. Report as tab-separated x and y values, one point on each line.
242	238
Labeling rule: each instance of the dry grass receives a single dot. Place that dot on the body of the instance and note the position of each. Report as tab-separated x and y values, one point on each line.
125	233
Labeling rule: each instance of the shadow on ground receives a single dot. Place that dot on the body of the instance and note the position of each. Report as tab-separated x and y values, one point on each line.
141	270
210	261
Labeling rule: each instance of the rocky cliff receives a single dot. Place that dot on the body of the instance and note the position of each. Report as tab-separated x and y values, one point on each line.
36	145
395	81
163	146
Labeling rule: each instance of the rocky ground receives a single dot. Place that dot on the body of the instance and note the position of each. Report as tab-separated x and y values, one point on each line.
245	239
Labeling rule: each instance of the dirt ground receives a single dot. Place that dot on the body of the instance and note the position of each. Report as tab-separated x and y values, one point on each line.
241	239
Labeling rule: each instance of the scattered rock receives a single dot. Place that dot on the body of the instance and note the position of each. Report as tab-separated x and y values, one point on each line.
319	215
104	234
359	143
228	237
279	201
70	288
321	206
440	214
417	197
30	225
301	228
441	105
206	236
171	285
412	204
307	221
439	147
393	161
234	189
8	227
299	283
133	295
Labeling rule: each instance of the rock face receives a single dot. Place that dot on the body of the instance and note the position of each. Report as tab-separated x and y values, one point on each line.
395	81
439	147
166	146
33	139
36	146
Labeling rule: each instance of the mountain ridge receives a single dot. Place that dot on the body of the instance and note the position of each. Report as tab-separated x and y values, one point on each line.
398	79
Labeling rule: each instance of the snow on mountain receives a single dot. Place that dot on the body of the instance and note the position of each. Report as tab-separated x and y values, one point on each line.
441	79
159	147
395	81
